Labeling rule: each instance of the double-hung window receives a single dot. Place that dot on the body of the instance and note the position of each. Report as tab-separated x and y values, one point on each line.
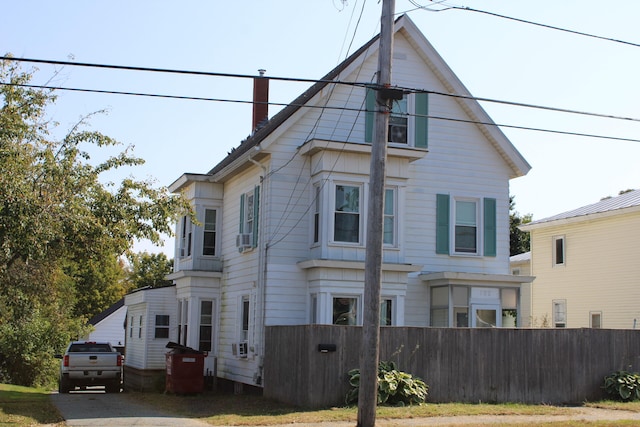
162	326
249	210
407	121
185	237
209	237
347	216
206	325
559	251
465	226
560	313
389	222
244	315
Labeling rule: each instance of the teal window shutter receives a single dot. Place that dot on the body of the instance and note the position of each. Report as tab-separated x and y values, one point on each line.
241	228
370	107
256	211
490	228
442	224
421	125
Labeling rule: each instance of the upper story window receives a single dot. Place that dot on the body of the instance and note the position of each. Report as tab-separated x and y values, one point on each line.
398	122
466	226
316	214
209	232
559	250
347	214
249	210
389	227
408	121
185	237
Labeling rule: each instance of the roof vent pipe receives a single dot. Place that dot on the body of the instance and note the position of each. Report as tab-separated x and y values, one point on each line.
260	100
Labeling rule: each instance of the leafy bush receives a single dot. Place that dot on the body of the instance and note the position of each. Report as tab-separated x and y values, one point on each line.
623	385
394	387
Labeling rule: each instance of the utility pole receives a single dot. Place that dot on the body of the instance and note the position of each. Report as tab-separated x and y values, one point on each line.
368	394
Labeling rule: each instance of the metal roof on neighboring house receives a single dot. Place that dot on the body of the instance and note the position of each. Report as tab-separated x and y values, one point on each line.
526	256
610	204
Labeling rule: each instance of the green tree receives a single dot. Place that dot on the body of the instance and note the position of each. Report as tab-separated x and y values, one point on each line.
61	229
149	270
519	241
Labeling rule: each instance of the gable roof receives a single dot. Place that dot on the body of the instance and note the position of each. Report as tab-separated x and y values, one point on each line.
500	142
608	206
106	313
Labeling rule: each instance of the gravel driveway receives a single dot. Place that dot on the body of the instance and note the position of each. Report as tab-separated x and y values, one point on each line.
96	408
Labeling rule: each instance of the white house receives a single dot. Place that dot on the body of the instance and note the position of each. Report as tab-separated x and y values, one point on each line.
282	217
109	325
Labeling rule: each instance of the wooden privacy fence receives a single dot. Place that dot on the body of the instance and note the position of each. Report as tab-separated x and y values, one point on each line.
307	365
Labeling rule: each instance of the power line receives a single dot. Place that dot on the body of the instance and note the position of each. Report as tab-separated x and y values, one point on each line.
192	98
524	21
289	79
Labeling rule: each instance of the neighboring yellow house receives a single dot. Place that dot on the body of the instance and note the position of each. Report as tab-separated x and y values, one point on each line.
586	264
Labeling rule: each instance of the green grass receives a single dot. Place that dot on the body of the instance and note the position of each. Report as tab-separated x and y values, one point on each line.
25	406
247	410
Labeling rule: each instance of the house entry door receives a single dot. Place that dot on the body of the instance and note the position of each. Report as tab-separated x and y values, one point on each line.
485	316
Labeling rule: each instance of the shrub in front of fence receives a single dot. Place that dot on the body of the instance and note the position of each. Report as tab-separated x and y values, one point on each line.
395	388
623	385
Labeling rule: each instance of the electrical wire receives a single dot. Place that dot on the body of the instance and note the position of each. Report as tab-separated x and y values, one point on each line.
192	98
427	8
289	79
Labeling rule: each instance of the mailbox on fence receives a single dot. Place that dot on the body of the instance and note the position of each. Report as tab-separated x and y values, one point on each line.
185	370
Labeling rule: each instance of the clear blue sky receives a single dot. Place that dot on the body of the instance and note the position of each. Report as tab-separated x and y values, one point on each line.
493	57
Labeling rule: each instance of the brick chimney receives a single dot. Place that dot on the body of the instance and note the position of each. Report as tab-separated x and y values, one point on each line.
260	100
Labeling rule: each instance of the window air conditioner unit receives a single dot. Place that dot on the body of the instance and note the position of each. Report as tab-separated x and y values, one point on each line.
239	349
243	241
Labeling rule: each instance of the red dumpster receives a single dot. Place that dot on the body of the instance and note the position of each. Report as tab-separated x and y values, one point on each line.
185	370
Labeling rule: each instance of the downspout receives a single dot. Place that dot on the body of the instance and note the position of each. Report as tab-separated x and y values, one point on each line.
262	271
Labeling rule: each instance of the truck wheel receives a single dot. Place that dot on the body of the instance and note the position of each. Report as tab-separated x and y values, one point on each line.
64	386
113	387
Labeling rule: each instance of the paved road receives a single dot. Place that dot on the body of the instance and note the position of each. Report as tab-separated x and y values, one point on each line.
99	409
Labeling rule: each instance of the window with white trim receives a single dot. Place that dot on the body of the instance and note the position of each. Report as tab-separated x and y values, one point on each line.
386	312
185	237
559	250
345	310
440	306
347	216
316	214
162	326
389	224
183	316
209	232
466	226
559	313
595	319
244	318
206	325
408	121
249	210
